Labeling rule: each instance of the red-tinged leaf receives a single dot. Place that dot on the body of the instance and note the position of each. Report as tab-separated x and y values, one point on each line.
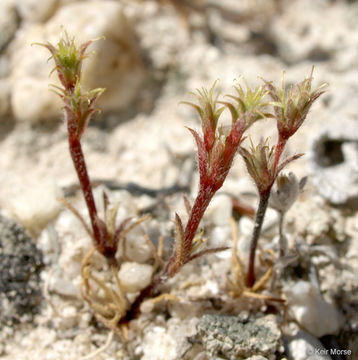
216	162
202	155
209	137
287	161
232	143
272	90
205	252
237	130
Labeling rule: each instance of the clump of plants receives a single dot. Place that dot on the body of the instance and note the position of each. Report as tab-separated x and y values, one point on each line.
217	147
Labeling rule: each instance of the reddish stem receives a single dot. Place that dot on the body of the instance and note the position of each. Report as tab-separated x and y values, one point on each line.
279	150
202	201
81	169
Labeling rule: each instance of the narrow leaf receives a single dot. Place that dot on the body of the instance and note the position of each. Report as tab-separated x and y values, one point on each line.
202	154
205	252
179	240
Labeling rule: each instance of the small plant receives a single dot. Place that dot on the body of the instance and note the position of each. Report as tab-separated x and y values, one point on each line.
79	106
260	163
283	195
263	162
216	149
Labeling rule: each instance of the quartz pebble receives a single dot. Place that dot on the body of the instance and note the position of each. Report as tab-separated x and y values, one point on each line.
135	277
310	310
35	205
137	249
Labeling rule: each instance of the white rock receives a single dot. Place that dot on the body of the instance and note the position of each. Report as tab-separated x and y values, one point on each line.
64	287
135	277
116	64
310	310
34	205
304	346
69	317
137	248
31	100
36	11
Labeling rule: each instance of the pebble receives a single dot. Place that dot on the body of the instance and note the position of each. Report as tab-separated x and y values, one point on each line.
135	277
137	248
34	205
159	345
310	310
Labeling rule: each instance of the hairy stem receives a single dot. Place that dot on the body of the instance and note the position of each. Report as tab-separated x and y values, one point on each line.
201	203
83	177
279	150
260	215
175	261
